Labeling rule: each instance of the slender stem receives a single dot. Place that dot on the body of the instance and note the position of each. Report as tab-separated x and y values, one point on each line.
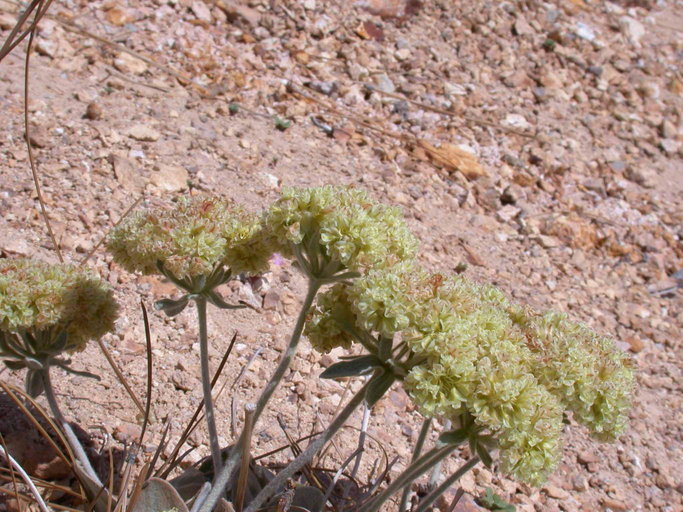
438	491
361	439
426	427
412	472
75	444
436	471
226	473
313	287
206	385
311	451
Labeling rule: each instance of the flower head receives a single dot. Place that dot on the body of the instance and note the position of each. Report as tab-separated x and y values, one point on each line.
339	225
591	376
37	296
472	352
327	324
191	239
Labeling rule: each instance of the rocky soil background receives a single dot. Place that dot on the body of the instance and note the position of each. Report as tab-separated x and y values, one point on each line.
536	145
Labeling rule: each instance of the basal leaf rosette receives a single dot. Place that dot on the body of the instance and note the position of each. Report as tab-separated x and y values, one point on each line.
190	239
588	372
38	297
338	228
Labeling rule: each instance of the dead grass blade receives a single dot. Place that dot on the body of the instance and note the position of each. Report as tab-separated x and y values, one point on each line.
159	450
10	391
148	346
119	375
12	40
15	466
27	133
139	482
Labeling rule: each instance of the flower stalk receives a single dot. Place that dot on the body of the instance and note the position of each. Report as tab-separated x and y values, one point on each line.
427	501
419	444
200	302
70	435
416	469
311	451
222	478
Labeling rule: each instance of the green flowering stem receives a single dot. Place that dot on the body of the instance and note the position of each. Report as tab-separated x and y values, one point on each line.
70	435
224	475
313	287
412	472
311	451
200	300
421	438
427	501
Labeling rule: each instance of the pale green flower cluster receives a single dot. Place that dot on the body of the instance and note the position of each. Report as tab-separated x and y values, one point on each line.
324	325
191	239
472	351
37	296
341	224
591	376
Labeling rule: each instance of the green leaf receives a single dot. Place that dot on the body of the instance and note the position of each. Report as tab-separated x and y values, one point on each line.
454	437
60	342
34	383
218	301
159	496
308	498
492	501
385	345
172	307
80	373
352	368
282	124
180	283
33	363
380	384
14	365
484	455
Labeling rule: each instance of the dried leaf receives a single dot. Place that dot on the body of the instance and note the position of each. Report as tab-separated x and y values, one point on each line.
452	158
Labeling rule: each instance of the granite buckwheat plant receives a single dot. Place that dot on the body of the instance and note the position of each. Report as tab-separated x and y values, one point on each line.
199	244
334	234
503	376
47	311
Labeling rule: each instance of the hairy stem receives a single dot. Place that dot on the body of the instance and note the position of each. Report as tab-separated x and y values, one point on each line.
224	476
311	451
426	427
70	435
436	470
206	385
412	472
426	502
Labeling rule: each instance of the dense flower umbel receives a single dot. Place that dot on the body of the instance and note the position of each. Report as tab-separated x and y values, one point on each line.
473	352
587	371
37	297
339	224
191	239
